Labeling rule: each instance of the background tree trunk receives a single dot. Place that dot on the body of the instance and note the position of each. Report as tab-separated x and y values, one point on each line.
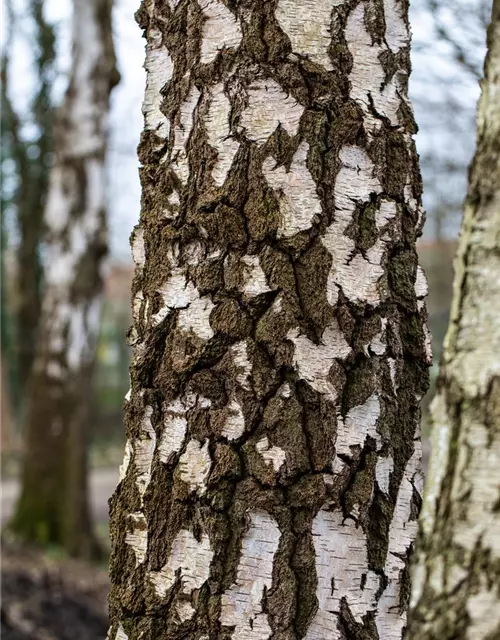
32	159
8	435
271	478
33	198
53	503
456	591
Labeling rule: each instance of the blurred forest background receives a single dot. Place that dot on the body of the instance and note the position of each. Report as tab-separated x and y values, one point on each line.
447	57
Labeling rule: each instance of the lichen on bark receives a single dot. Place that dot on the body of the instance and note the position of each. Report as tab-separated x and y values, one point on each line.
280	349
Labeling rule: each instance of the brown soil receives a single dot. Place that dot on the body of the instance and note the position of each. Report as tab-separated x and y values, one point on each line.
51	598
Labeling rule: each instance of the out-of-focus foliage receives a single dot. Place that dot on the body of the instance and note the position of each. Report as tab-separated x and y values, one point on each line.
448	50
26	143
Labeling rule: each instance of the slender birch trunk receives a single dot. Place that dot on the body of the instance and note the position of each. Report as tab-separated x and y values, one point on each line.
271	478
456	590
53	504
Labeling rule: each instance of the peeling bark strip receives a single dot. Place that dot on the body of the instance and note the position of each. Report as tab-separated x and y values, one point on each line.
279	327
456	591
53	505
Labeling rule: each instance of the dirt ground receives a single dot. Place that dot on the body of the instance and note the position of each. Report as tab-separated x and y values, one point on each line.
47	597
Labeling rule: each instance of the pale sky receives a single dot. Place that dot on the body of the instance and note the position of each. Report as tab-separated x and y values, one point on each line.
436	77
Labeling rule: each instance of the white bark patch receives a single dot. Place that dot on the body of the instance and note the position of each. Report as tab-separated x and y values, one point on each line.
181	135
359	280
81	322
296	192
188	556
367	76
484	612
62	256
240	359
120	633
478	476
55	370
144	447
234	425
358	276
178	293
221	30
196	318
138	537
383	470
477	341
175	424
356	180
377	345
402	531
241	605
56	214
138	248
341	565
307	24
272	455
126	461
172	437
359	424
427	344
137	306
219	133
284	391
159	67
184	610
393	372
421	287
314	361
396	31
338	466
387	212
194	466
255	280
77	338
269	106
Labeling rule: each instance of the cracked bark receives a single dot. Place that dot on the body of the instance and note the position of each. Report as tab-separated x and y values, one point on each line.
53	504
270	485
456	591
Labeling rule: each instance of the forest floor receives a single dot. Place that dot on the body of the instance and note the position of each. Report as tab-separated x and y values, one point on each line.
49	597
46	596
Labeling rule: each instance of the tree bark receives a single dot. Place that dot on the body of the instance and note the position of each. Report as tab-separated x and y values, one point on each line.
53	504
456	590
270	485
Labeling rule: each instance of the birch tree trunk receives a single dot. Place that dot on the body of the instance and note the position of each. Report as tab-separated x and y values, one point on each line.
53	503
271	478
456	591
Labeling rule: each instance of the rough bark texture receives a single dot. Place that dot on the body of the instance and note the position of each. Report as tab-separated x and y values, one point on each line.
270	485
456	590
53	505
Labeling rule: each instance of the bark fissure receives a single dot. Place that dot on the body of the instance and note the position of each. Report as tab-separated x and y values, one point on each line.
299	363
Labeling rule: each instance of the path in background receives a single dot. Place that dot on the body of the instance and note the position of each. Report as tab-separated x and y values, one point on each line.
102	485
